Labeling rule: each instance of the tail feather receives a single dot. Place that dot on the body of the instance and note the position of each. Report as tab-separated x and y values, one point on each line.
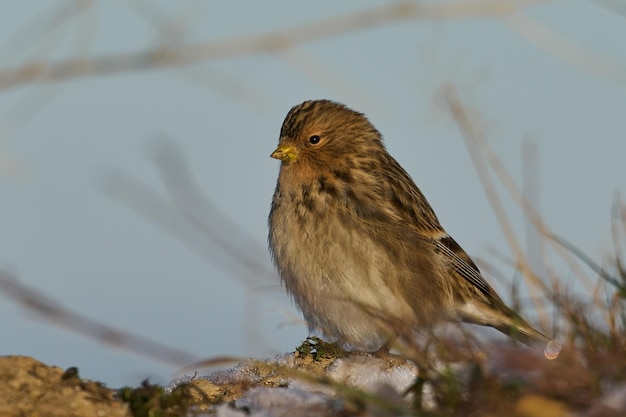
507	321
518	329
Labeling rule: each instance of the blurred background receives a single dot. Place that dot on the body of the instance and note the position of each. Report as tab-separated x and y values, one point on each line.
135	178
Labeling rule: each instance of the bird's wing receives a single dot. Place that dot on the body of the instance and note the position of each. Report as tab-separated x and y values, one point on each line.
464	265
394	206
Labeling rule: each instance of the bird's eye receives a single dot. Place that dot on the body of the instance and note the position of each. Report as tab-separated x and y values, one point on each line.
314	140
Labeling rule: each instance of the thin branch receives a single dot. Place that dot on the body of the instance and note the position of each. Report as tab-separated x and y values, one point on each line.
188	215
51	310
270	42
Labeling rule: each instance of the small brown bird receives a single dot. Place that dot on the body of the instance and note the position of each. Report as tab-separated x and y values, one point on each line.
358	246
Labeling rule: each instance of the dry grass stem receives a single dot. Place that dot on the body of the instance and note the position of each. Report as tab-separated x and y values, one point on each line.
53	312
473	142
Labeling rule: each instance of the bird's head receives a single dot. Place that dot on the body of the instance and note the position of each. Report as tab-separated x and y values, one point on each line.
322	134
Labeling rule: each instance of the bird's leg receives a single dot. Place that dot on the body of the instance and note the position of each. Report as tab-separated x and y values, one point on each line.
383	351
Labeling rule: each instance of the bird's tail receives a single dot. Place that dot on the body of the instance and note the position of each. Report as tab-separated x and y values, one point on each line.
511	324
518	329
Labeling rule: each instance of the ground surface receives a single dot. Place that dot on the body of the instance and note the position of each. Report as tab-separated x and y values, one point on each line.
31	388
312	383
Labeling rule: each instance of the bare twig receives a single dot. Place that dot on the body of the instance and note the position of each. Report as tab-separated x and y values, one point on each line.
270	42
188	215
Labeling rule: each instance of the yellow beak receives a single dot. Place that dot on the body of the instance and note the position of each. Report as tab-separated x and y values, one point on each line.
285	153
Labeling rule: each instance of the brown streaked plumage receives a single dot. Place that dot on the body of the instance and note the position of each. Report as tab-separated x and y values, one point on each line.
358	246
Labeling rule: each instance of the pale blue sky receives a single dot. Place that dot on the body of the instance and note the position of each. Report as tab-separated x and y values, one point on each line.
66	237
